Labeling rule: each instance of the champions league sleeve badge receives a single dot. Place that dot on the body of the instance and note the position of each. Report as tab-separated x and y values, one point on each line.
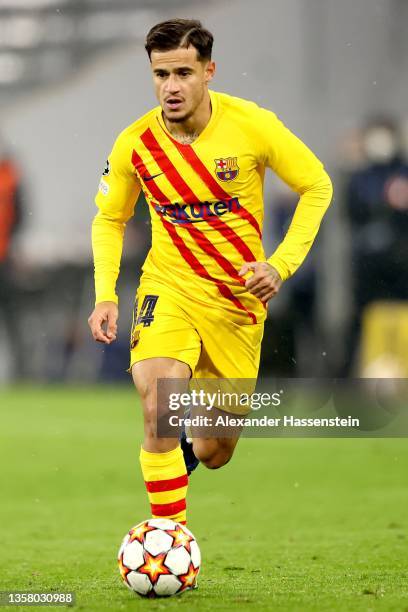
106	169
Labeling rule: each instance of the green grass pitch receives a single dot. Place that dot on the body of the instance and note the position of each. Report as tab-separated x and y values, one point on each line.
288	524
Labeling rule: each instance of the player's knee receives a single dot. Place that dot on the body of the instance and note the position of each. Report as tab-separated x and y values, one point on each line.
217	461
213	460
212	453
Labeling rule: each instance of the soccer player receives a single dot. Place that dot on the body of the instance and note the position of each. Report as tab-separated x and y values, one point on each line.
200	158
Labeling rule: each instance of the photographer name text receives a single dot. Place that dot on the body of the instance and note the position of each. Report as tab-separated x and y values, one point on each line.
227	420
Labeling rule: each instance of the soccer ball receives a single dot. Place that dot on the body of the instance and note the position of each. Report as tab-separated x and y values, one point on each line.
158	558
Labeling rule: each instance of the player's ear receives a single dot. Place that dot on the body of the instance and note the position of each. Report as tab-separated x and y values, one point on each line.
209	71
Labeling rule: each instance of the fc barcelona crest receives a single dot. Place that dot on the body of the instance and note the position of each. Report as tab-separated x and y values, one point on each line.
226	168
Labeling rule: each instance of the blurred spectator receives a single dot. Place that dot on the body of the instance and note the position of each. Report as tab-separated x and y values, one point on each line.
377	209
10	222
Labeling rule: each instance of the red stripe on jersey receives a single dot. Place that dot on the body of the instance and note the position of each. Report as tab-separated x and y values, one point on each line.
171	172
210	249
153	188
199	269
157	486
189	197
195	162
228	233
245	214
168	509
184	251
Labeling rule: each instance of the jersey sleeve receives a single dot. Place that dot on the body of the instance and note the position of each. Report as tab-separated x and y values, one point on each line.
118	187
302	171
116	198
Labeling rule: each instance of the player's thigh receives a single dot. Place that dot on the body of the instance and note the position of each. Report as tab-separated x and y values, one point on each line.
227	370
228	367
161	328
229	350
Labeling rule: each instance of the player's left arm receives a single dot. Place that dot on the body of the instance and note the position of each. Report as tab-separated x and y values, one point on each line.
303	172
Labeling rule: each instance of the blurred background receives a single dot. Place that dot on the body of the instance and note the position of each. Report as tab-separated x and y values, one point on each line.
73	73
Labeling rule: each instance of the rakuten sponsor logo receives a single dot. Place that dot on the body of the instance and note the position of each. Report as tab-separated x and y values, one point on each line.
199	212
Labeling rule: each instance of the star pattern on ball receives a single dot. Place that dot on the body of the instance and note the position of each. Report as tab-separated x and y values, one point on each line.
188	579
124	571
180	538
139	532
154	566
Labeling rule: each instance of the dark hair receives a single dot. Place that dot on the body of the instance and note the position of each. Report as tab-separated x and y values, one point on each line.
176	33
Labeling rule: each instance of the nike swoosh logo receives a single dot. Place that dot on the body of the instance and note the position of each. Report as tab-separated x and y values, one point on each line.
153	176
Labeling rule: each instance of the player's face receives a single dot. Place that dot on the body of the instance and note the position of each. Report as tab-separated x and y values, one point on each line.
180	82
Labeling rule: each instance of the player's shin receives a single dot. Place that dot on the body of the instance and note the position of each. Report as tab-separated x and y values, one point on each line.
166	480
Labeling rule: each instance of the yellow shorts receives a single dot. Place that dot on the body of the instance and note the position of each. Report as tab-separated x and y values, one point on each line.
169	324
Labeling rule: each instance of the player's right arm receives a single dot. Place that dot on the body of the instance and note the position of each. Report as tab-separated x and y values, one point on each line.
118	192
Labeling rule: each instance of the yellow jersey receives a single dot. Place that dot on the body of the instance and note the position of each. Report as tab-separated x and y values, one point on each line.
206	203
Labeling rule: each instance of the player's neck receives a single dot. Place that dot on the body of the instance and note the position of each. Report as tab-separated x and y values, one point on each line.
189	130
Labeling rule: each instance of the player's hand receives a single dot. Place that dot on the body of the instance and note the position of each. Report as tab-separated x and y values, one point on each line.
265	281
103	322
